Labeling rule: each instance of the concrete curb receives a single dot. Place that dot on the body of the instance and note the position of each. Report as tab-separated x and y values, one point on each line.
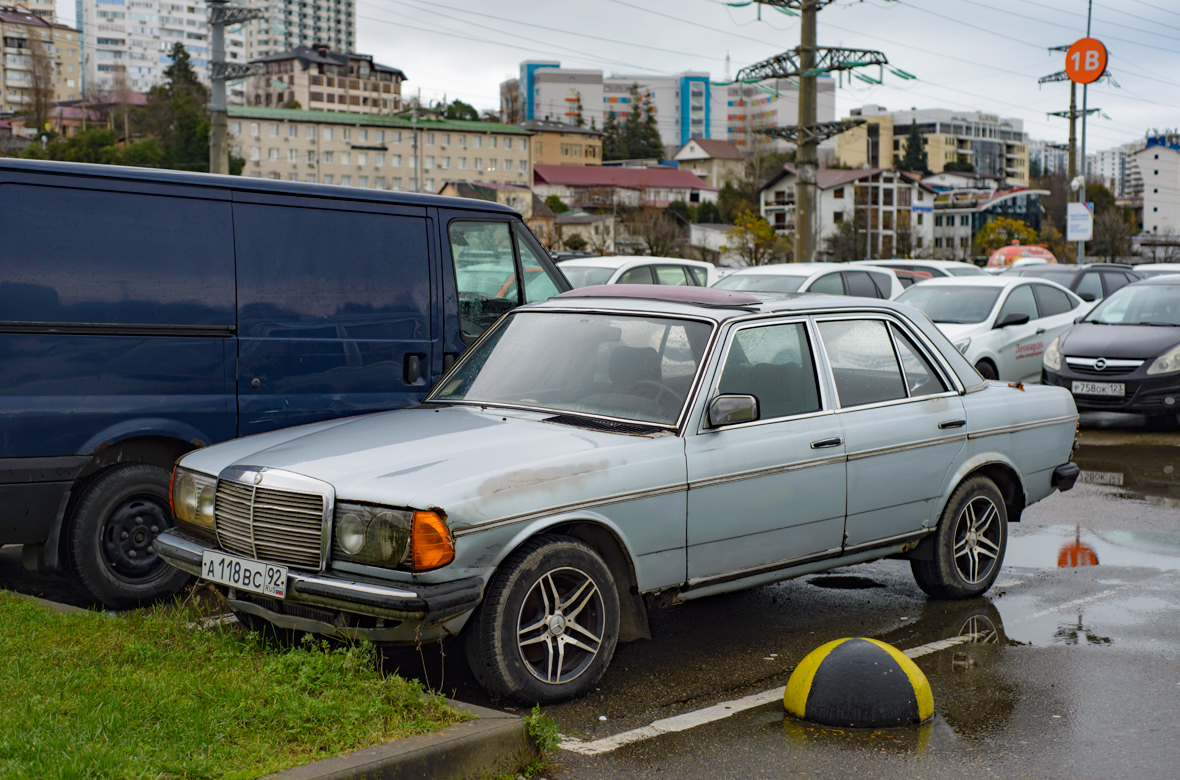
495	743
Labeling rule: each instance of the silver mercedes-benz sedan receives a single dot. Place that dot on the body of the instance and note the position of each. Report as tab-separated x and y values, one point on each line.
617	444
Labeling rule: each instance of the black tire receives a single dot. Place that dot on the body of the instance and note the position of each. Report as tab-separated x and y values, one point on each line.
519	594
986	369
111	533
969	543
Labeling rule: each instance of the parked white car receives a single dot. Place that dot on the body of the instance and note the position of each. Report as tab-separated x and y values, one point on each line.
936	268
866	281
1148	270
1001	324
638	269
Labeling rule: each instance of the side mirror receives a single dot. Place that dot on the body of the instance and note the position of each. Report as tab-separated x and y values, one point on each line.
1012	319
732	409
1088	297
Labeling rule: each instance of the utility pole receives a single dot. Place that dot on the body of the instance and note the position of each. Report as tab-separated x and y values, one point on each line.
805	63
1085	99
222	15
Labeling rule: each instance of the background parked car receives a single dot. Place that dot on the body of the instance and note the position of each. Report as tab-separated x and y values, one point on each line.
830	278
1001	324
1148	270
1124	355
1089	281
638	269
936	268
910	278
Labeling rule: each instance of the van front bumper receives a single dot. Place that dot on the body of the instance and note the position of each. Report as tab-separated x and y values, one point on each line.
415	603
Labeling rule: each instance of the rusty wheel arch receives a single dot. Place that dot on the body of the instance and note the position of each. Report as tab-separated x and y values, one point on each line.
1008	481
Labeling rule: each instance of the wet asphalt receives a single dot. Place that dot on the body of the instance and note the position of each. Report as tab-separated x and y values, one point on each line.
1074	670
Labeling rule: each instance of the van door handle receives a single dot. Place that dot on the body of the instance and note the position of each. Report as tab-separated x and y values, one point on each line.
942	426
413	369
825	443
449	359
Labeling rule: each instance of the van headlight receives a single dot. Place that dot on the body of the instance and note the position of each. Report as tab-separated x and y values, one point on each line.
1168	363
193	497
1052	359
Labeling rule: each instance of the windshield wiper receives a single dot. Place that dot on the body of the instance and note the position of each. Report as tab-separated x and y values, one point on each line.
1157	324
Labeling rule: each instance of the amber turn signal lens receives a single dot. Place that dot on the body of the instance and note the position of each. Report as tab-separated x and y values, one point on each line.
431	542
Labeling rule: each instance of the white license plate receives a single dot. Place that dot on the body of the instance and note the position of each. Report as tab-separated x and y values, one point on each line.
254	576
1098	388
1103	478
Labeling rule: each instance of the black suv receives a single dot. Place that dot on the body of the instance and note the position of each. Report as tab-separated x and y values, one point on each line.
1091	281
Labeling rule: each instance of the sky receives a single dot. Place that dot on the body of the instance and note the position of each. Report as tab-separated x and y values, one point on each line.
983	55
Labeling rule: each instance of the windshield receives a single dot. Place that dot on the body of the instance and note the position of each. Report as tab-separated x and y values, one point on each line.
1148	304
585	275
954	305
629	367
761	283
1063	276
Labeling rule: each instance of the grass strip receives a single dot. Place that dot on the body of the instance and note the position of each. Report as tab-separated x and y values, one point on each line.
142	696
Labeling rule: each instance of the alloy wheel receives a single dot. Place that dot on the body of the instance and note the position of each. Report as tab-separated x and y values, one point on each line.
561	625
977	540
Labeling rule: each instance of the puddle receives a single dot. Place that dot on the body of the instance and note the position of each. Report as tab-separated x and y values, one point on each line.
844	582
1062	546
1147	468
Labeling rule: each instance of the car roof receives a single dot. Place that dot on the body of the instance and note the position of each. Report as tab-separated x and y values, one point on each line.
1170	279
618	261
246	183
1001	281
889	262
791	269
1052	268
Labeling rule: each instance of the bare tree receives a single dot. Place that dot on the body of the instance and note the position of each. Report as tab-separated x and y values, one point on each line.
656	232
1112	234
43	78
602	240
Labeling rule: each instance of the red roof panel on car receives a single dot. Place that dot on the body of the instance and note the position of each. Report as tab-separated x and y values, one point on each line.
707	296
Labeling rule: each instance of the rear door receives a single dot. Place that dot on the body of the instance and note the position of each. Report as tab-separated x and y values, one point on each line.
334	308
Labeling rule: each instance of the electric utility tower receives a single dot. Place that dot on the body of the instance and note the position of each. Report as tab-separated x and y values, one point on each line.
222	15
805	63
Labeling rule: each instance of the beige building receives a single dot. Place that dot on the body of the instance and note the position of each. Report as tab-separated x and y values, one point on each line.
377	152
557	143
38	54
317	79
995	146
46	9
716	162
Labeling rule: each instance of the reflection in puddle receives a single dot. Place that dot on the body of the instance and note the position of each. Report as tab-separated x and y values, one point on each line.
1075	634
1039	550
1143	469
908	739
1074	554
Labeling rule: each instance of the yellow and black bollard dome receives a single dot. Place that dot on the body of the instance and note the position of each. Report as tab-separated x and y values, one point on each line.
859	683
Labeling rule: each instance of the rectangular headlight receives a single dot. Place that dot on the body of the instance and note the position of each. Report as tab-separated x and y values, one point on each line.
372	534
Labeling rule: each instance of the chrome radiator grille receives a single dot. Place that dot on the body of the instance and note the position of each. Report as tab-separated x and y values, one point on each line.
271	525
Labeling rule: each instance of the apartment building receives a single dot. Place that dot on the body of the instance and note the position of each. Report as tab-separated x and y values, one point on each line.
319	79
892	207
993	145
39	54
688	104
46	9
128	43
1159	163
376	151
1046	157
559	143
959	214
605	186
287	24
716	162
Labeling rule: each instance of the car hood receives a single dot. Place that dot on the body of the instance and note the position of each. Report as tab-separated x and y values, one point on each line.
476	464
1087	339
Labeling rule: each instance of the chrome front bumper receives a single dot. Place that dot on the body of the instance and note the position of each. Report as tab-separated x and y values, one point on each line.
423	605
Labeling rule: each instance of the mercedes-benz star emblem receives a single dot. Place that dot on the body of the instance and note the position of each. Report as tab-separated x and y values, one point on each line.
1100	363
258	478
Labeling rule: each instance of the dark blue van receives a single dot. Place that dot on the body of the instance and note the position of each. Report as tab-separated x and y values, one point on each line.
146	313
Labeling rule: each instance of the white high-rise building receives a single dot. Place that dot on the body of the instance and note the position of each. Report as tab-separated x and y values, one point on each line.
126	43
291	23
1047	158
1159	162
688	105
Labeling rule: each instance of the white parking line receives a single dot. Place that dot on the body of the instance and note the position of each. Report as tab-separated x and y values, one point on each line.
717	712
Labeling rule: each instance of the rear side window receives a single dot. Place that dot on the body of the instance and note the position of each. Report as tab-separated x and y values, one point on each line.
326	274
103	257
1114	280
640	275
920	376
1051	301
863	362
1090	288
829	284
860	283
672	274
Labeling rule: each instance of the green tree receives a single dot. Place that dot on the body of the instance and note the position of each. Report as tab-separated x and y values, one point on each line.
1003	231
708	213
175	113
579	118
633	125
915	152
614	147
651	144
459	110
731	202
145	153
753	239
955	166
556	204
1101	197
97	145
575	243
1052	239
683	213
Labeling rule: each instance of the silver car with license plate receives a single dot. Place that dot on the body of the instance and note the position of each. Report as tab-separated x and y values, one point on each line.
617	445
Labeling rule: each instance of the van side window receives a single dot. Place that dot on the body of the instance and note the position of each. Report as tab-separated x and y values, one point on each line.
485	274
538	286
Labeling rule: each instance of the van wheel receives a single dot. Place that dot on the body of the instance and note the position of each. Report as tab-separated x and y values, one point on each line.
987	370
548	624
112	533
969	543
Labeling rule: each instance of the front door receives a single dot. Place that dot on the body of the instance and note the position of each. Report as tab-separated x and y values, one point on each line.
1021	346
904	426
766	493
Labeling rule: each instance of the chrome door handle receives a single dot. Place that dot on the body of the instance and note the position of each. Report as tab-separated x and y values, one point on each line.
942	426
825	443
